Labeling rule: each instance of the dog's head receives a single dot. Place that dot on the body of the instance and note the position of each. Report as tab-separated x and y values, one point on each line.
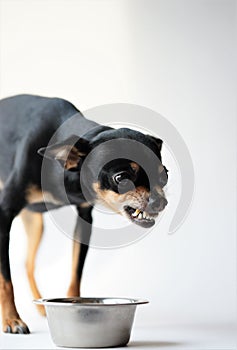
121	183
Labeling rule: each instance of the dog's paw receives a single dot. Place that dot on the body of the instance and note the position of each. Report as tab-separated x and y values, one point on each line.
15	326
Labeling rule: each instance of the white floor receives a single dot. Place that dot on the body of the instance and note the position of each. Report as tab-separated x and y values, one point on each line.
222	337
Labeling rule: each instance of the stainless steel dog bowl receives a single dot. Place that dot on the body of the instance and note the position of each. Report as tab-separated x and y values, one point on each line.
90	322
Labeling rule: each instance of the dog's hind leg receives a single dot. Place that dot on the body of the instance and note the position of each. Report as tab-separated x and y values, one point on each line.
33	223
81	241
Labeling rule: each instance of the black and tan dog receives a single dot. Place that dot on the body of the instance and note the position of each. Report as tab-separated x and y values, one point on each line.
27	123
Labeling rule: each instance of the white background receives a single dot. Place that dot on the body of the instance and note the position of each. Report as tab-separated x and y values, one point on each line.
177	58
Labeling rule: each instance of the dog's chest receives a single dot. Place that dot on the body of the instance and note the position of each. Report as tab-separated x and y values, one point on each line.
34	195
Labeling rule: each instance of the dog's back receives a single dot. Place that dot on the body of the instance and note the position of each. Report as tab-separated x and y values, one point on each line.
28	119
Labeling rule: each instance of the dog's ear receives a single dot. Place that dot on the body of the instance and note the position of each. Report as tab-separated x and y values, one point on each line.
68	153
157	141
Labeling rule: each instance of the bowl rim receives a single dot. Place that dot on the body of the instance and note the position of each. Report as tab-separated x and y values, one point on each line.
65	302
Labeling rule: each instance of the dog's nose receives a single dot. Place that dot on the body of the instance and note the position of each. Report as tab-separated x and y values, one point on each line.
157	204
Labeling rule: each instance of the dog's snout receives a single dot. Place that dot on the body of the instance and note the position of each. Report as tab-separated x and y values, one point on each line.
163	204
157	203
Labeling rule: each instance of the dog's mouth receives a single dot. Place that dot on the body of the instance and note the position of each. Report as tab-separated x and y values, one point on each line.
139	217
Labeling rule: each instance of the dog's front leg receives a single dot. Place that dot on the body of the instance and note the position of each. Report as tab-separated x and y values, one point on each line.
11	320
82	234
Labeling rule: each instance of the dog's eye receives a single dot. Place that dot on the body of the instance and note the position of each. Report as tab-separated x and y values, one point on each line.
118	178
124	182
121	177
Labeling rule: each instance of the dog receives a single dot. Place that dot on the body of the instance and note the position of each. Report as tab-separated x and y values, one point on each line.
27	124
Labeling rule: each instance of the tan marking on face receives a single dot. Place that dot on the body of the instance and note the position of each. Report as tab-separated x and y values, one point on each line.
160	169
160	191
35	195
135	167
116	201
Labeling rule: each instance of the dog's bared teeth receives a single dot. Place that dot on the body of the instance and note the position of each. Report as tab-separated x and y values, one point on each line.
140	215
146	216
136	212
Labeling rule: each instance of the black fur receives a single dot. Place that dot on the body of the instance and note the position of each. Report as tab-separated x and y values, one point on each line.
27	123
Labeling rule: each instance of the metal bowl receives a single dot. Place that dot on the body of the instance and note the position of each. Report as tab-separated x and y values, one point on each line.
90	322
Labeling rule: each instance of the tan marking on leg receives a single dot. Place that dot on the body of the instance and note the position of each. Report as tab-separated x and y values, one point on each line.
84	205
74	287
10	318
33	223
